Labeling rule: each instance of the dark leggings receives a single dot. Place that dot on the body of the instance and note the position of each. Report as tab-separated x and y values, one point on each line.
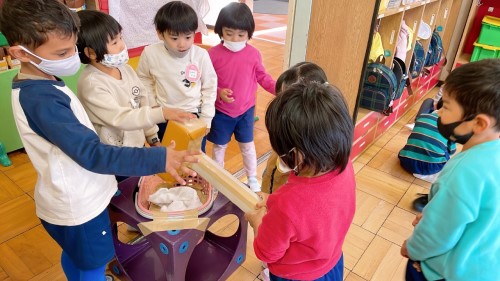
426	107
412	274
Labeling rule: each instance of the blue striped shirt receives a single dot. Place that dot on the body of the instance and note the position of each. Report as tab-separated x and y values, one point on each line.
426	146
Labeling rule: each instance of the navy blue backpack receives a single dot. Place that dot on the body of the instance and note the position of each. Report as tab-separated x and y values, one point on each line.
379	88
435	50
417	60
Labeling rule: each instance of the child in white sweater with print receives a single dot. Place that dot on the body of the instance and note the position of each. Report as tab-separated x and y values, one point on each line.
177	73
109	89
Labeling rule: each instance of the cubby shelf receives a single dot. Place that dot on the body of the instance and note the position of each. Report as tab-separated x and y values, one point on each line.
370	125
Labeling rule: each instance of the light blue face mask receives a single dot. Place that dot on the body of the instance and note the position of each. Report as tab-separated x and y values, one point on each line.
115	60
65	67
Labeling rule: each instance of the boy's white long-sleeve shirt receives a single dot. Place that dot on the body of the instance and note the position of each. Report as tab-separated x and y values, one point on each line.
110	106
75	182
164	76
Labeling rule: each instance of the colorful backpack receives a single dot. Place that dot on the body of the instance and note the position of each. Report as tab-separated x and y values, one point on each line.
379	88
435	50
417	60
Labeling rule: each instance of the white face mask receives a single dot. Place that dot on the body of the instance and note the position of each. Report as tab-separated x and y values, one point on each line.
176	53
115	60
282	167
235	46
65	67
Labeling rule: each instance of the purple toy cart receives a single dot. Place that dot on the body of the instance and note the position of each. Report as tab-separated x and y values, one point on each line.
176	255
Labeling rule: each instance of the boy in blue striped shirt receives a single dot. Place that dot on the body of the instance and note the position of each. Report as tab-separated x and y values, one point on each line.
426	150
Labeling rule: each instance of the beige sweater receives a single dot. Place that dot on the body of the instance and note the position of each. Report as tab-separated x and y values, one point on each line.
118	109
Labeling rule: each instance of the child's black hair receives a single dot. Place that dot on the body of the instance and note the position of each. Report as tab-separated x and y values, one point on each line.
314	119
176	17
96	30
235	16
302	72
28	22
476	88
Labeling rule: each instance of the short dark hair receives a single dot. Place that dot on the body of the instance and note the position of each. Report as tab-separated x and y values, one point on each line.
302	72
176	17
314	119
476	88
96	30
237	16
28	22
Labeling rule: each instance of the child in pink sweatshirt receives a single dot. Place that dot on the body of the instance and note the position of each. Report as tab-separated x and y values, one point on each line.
239	68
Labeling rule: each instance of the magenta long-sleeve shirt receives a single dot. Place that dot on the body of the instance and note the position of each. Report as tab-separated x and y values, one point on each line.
240	72
307	219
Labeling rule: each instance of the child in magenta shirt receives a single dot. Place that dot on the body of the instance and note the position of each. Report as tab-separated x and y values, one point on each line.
300	229
239	68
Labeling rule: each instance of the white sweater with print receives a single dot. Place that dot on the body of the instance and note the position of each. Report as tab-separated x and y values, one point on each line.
118	109
165	79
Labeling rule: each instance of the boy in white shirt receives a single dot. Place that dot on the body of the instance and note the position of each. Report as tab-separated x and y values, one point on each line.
176	73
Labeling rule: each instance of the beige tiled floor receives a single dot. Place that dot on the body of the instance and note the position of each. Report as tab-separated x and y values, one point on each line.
382	221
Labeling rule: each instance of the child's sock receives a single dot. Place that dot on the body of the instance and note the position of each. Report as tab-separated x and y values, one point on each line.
428	178
250	164
218	153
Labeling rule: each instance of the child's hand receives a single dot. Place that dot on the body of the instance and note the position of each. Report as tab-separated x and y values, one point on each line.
404	250
417	219
207	131
226	95
255	218
263	202
156	144
175	159
178	115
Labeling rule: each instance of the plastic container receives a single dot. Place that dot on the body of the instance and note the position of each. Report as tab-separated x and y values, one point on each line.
482	52
490	32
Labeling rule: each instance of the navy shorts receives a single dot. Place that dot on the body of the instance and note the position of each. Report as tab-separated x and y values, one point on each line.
223	127
89	245
335	274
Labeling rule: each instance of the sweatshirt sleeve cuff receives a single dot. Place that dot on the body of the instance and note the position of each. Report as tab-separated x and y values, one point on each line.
157	115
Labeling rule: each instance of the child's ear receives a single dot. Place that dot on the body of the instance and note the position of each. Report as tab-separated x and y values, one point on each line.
90	53
482	122
18	53
160	35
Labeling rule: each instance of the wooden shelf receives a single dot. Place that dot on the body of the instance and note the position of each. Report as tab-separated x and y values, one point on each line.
463	58
390	12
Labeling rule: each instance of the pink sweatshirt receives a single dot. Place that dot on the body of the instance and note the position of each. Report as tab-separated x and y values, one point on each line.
240	72
307	219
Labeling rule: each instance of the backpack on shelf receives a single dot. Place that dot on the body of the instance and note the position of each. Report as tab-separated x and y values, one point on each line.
435	50
417	60
379	88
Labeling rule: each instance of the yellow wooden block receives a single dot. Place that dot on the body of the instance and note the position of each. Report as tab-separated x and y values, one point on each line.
187	136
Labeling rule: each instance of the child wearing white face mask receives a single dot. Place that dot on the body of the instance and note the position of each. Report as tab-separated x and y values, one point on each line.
274	175
177	73
300	228
239	68
109	89
74	168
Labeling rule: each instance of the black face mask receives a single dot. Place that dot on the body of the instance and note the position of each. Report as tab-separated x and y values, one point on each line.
448	131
